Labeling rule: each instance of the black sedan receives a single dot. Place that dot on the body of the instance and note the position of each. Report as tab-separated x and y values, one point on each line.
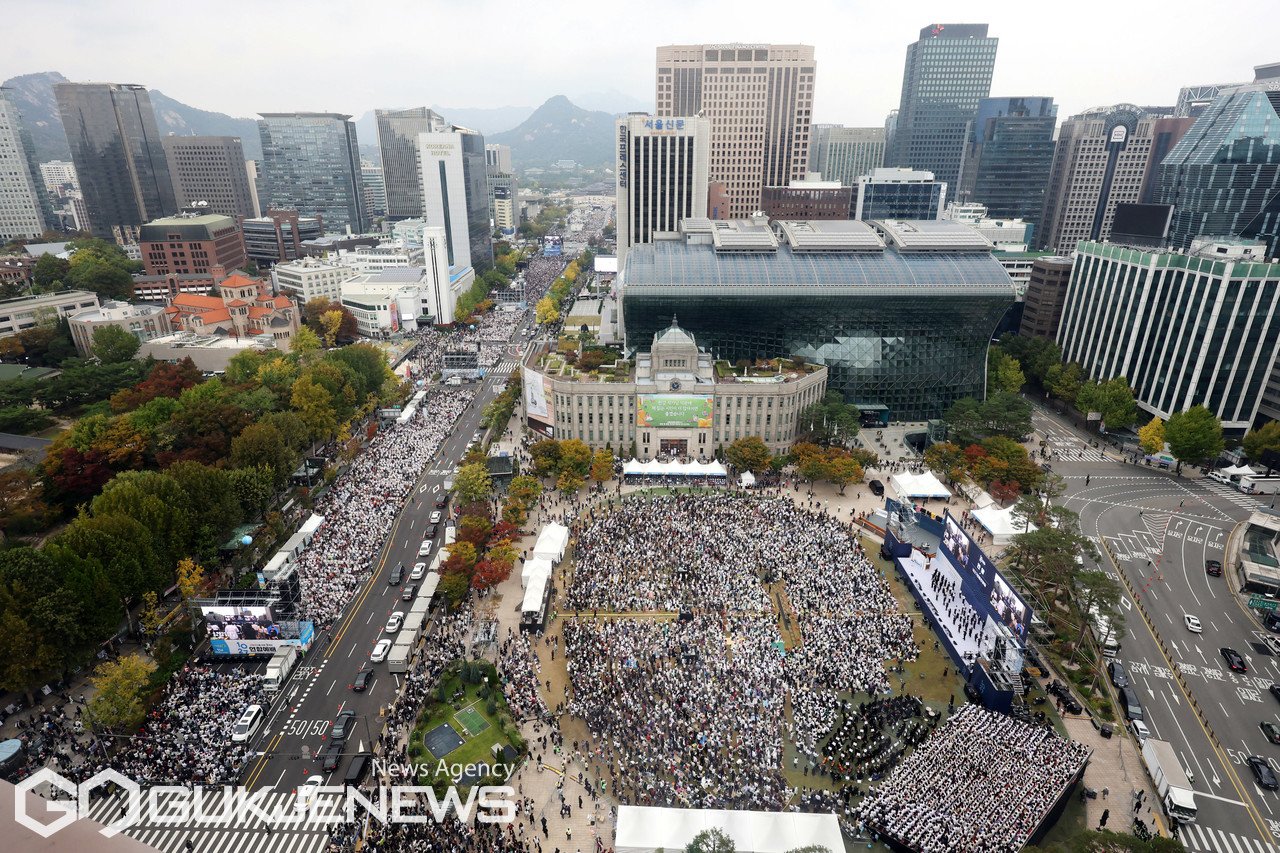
361	684
1119	677
1275	690
1262	772
876	487
1271	730
342	726
331	756
1213	567
1234	660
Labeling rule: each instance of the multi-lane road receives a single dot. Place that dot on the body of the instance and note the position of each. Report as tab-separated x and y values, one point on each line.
1158	530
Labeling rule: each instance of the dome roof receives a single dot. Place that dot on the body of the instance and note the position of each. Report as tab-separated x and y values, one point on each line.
673	334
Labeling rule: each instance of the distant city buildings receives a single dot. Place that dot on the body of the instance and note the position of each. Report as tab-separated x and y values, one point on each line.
808	199
844	154
191	243
498	158
1008	155
59	176
1172	324
144	322
278	236
310	278
759	100
455	194
210	169
311	162
118	155
661	175
900	194
398	132
1223	176
24	204
243	308
374	189
27	312
503	195
948	72
1045	296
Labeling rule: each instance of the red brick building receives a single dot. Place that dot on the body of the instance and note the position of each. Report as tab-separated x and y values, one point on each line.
191	244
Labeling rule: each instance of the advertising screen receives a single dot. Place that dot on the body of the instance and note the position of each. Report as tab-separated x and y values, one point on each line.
305	631
245	622
673	410
957	544
1008	606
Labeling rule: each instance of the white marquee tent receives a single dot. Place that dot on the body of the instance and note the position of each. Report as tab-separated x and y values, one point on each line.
551	542
1001	524
1238	471
919	486
636	468
645	830
533	594
534	566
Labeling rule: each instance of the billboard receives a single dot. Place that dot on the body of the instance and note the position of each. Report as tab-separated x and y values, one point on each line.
673	410
1006	605
537	396
244	622
306	632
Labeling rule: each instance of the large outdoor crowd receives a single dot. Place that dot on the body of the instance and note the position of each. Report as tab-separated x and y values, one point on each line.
362	504
540	274
983	782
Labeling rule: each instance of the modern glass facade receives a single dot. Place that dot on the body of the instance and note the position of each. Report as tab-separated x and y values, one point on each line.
398	138
24	204
475	173
902	329
845	154
900	200
1223	175
311	163
1184	329
119	158
948	71
1008	156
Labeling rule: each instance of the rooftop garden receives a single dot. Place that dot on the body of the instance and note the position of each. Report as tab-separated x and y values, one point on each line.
762	368
592	364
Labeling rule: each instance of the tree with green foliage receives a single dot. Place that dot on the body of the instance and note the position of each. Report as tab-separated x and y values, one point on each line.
113	345
749	453
1112	399
1259	441
569	481
1194	435
1004	373
1064	381
546	457
829	421
50	273
1036	355
472	483
262	444
970	420
711	841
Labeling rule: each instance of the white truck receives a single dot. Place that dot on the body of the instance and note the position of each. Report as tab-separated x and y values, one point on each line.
1172	784
401	652
280	667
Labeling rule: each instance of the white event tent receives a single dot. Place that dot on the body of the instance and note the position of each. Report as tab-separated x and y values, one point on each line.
533	566
636	468
1001	524
919	486
644	829
551	542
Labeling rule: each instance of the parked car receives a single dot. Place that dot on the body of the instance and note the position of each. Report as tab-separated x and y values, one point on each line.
419	572
1192	623
1119	677
1262	772
331	756
1234	660
876	487
1140	730
1275	691
361	683
394	623
442	500
436	516
425	548
410	590
379	653
1271	730
1213	567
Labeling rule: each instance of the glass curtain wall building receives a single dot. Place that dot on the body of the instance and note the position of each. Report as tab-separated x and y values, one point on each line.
398	132
901	313
1223	175
311	163
1008	156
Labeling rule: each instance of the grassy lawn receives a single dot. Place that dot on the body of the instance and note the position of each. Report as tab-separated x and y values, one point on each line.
475	749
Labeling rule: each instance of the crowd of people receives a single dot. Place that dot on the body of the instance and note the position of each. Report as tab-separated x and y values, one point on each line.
540	274
983	782
520	668
362	504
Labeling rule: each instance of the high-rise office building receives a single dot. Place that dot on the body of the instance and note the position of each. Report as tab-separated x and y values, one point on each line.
278	236
1046	293
59	177
374	188
1007	157
759	99
311	162
24	204
455	194
503	200
1223	175
1101	159
119	158
899	194
498	158
210	169
398	132
845	154
890	135
1175	325
661	176
948	71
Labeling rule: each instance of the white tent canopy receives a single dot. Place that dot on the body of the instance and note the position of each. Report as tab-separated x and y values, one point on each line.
1237	471
919	486
535	565
1000	523
636	468
551	542
533	594
645	830
748	479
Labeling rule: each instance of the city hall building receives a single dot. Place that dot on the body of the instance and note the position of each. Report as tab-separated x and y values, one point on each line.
899	312
676	400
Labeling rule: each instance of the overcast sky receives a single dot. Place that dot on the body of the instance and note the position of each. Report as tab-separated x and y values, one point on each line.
245	56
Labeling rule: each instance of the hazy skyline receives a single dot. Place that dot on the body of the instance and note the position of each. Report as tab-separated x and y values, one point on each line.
243	58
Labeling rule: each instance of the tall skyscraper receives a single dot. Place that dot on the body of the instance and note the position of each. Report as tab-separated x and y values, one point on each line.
845	154
374	188
890	135
1223	176
311	163
498	158
1007	157
210	169
455	193
948	72
1101	159
661	175
119	158
398	132
24	204
759	99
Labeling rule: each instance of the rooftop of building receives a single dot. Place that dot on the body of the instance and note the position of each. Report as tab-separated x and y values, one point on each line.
207	341
898	175
23	371
55	296
115	311
1203	249
196	226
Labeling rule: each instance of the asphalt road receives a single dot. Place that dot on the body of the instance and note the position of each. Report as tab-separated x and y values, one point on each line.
1160	529
297	728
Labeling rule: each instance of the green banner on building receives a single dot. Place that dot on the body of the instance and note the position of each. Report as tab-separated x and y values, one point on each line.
673	410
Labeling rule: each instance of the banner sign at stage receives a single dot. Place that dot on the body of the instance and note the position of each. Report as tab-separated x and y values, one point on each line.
673	410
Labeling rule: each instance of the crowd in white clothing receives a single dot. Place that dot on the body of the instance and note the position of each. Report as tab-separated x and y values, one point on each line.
983	782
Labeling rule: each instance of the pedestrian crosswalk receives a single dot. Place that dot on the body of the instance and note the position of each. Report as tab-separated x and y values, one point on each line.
505	367
1198	838
217	831
1232	494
